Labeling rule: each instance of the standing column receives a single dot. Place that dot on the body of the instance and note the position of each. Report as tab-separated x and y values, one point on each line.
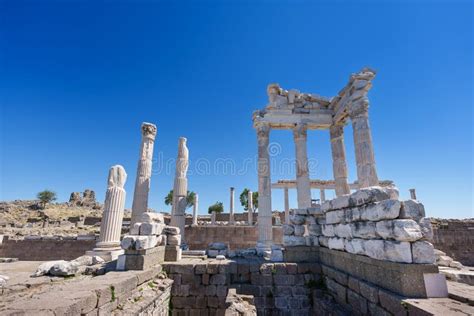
231	206
195	209
303	188
339	166
108	245
366	170
322	195
264	219
250	207
142	182
180	189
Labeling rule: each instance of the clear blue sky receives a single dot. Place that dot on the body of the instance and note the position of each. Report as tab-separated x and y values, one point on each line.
78	78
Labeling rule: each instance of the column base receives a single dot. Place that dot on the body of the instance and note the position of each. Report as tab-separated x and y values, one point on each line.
106	254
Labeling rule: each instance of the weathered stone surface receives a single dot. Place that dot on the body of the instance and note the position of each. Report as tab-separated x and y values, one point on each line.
334	217
387	209
343	230
423	252
397	251
412	209
288	230
297	219
299	230
294	241
365	230
355	246
328	230
336	243
399	229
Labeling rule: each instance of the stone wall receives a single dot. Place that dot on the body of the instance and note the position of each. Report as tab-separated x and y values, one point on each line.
455	238
42	250
237	237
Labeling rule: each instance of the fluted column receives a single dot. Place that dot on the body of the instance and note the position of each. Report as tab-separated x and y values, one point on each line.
195	209
339	165
180	188
231	206
142	182
303	188
108	245
287	206
250	207
265	236
366	169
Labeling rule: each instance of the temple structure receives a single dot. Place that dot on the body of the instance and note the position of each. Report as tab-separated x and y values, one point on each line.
300	112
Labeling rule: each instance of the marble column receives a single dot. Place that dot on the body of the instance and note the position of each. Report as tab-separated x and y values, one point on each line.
142	182
231	206
366	169
303	188
108	245
413	194
180	188
195	209
287	206
339	165
264	219
250	207
322	195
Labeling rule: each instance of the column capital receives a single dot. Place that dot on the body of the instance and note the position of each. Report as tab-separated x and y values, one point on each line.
263	130
149	130
359	108
300	131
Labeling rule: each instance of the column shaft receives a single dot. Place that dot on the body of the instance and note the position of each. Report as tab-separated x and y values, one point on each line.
303	187
339	165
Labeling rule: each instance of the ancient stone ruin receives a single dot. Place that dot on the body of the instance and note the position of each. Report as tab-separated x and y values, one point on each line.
365	252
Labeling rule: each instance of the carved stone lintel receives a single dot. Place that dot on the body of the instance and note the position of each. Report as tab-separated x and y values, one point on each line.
149	130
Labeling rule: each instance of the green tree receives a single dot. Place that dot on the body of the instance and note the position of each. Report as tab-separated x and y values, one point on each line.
46	197
244	199
189	198
217	207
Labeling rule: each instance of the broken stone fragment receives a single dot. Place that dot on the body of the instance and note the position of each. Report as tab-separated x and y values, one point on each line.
423	252
399	229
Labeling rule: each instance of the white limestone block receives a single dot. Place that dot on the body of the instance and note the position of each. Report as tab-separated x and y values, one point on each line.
334	217
135	229
343	230
323	241
368	195
299	230
399	229
336	243
297	219
355	246
426	228
290	241
151	229
288	230
412	209
174	240
314	229
397	251
171	230
365	230
328	230
374	248
387	209
423	252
